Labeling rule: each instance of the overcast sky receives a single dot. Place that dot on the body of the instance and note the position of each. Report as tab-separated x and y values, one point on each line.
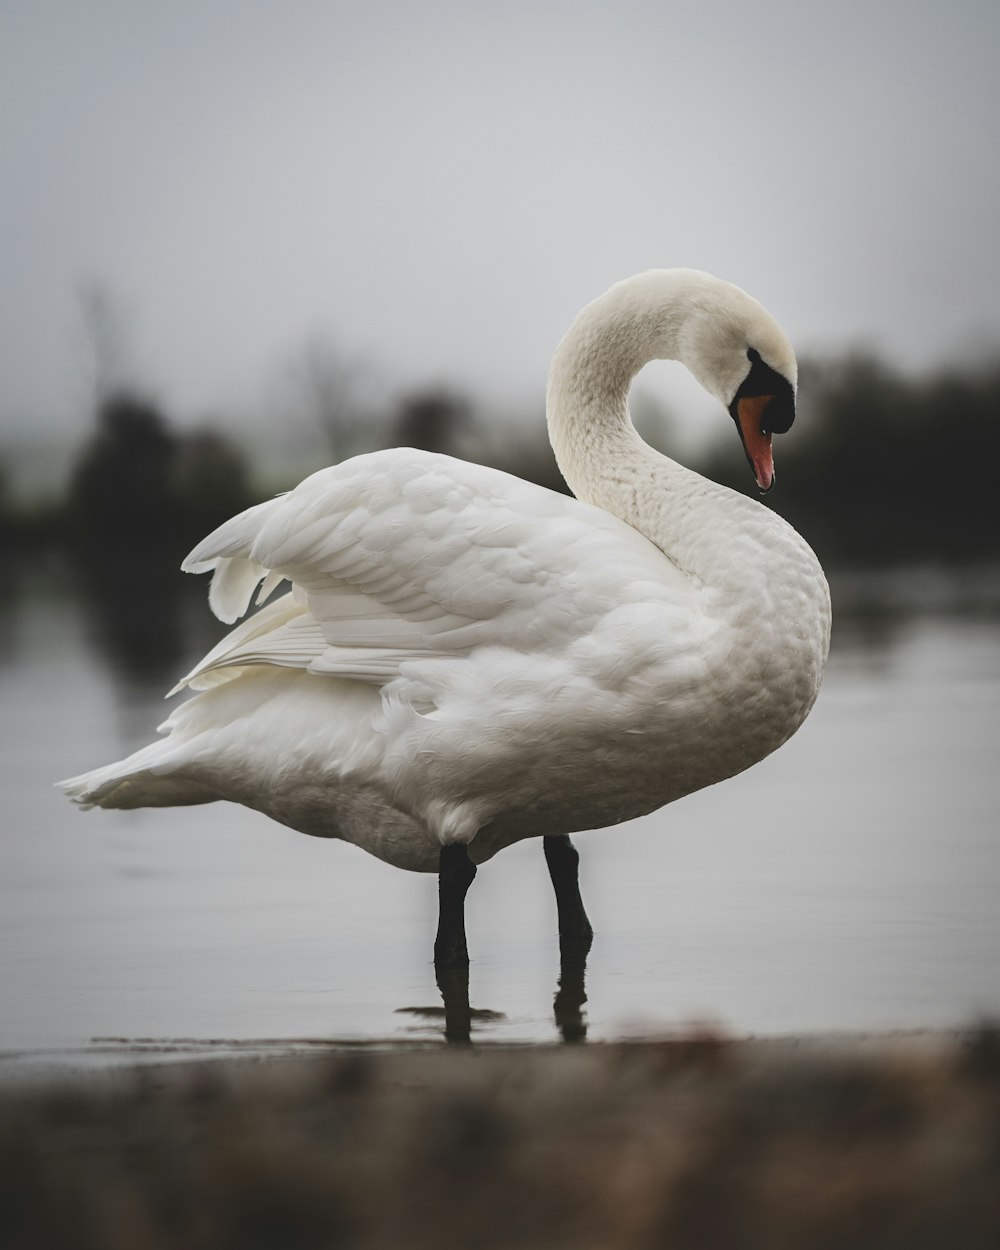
439	187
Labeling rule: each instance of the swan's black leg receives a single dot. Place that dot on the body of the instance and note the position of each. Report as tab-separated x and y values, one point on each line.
563	860
454	986
455	874
571	993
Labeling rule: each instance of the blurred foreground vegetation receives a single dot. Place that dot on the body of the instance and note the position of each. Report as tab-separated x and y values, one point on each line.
692	1143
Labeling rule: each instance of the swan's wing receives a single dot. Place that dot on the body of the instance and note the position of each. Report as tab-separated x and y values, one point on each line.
404	555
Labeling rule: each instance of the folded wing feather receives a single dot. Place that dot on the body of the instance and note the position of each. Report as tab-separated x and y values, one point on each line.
409	555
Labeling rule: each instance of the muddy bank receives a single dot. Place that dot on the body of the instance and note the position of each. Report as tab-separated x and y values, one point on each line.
695	1142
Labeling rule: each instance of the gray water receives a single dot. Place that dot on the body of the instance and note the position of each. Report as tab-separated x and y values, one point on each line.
849	882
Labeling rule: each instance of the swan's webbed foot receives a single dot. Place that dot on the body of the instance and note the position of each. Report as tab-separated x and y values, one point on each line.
563	860
455	874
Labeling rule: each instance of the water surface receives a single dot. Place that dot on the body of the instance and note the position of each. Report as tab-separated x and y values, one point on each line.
847	883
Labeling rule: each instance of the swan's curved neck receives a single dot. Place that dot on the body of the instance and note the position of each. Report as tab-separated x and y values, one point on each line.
757	589
598	450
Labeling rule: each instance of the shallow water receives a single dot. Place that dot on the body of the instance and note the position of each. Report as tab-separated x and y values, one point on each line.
847	883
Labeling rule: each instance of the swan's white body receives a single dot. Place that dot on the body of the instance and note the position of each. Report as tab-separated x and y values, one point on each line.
467	657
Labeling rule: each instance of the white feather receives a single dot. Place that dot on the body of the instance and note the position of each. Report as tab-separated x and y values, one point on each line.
464	656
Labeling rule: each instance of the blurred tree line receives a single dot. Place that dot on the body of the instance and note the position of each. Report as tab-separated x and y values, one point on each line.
879	469
141	490
140	496
882	469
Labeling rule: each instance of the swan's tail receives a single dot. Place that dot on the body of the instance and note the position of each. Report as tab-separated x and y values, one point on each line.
149	778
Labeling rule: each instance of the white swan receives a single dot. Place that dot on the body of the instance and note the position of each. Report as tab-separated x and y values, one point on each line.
465	659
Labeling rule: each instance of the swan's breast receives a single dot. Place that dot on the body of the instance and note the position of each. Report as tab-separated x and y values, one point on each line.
661	697
770	647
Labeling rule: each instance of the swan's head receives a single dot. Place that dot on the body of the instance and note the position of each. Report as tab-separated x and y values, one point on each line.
731	344
739	354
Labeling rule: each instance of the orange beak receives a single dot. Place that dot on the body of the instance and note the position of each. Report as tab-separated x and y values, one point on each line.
756	441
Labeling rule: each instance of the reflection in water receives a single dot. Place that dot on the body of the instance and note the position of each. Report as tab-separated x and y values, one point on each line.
571	993
859	866
146	623
133	607
457	1014
459	1017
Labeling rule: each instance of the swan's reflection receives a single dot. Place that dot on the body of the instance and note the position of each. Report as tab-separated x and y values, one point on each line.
458	1016
567	1004
571	992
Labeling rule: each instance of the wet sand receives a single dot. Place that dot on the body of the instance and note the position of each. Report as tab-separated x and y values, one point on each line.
697	1141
